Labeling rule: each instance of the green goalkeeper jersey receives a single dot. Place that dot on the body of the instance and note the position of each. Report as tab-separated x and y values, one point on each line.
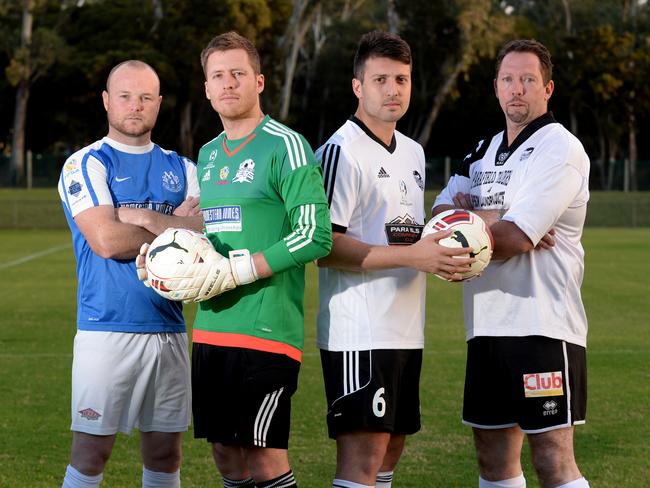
265	193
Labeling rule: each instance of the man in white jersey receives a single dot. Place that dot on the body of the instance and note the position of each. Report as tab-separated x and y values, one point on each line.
525	321
372	285
130	366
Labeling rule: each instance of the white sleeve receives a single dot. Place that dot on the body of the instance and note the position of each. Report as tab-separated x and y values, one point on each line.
84	185
341	176
192	188
556	179
456	184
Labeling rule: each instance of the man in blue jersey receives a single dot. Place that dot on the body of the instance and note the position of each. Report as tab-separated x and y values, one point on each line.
130	367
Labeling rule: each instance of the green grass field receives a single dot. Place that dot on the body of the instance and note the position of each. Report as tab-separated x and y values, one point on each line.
37	317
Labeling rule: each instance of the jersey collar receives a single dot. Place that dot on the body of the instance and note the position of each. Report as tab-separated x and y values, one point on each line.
126	148
504	152
369	133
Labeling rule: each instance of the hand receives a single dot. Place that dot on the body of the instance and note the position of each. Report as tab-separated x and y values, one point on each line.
140	268
189	208
547	241
430	256
463	200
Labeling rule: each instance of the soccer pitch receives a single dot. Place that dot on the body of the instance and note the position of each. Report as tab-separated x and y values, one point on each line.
37	317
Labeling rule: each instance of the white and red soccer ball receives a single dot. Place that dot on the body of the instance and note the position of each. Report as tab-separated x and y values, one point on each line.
170	262
469	230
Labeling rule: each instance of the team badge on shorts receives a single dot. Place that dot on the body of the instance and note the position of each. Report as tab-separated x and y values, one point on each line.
543	384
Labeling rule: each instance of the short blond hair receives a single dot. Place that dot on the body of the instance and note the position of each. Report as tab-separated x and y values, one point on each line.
228	41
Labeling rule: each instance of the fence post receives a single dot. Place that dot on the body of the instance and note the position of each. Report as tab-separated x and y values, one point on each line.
447	169
626	175
29	169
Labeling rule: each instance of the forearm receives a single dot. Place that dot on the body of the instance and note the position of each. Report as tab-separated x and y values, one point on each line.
155	222
352	255
509	240
117	240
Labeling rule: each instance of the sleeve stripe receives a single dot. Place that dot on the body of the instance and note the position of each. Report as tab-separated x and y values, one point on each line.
292	141
330	163
304	234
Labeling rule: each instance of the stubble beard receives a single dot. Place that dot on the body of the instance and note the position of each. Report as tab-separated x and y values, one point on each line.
131	131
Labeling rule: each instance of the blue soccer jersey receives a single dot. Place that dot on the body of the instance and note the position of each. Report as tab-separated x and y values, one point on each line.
110	297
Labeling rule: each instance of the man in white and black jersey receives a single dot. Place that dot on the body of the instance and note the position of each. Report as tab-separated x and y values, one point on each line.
372	285
525	321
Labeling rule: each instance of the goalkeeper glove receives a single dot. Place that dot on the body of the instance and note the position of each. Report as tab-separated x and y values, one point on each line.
225	274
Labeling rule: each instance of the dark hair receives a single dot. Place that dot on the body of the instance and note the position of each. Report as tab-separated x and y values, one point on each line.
226	42
379	44
528	46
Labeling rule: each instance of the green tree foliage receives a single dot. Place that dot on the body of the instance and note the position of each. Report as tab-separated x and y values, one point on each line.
601	51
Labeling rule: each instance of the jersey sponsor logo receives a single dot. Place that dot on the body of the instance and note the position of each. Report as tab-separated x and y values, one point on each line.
245	173
120	180
213	155
74	188
418	180
526	154
90	414
223	219
382	173
550	407
206	176
543	384
403	231
171	182
160	207
223	176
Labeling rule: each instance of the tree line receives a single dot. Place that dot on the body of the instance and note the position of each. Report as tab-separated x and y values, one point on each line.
56	55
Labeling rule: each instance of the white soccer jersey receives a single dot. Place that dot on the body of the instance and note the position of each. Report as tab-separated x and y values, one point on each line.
541	181
376	195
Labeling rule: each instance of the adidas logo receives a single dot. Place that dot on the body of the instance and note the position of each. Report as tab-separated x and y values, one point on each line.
382	173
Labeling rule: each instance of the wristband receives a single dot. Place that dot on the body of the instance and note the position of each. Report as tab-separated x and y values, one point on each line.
242	266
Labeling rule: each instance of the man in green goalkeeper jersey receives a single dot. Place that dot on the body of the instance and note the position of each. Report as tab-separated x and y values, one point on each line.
264	205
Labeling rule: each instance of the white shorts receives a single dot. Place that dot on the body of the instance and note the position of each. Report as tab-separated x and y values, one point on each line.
122	381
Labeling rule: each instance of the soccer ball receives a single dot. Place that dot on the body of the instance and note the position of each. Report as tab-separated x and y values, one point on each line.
469	231
171	263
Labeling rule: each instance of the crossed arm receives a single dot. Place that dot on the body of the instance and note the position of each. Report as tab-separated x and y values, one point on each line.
509	239
118	233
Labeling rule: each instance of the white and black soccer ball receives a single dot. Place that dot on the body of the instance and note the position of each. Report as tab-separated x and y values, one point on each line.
469	230
171	263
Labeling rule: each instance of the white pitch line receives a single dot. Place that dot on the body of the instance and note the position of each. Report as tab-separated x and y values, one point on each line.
36	255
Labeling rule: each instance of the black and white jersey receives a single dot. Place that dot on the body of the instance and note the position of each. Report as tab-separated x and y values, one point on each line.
541	181
376	196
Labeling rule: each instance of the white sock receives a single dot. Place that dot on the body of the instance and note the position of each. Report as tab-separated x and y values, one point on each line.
75	479
348	484
156	479
518	482
384	479
579	483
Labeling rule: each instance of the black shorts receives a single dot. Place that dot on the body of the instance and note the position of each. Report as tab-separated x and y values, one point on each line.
242	397
372	390
535	382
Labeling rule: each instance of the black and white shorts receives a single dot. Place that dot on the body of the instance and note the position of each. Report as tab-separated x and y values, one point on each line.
535	382
242	397
372	390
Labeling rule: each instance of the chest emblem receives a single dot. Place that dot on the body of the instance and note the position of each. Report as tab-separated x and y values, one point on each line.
245	173
382	173
171	182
